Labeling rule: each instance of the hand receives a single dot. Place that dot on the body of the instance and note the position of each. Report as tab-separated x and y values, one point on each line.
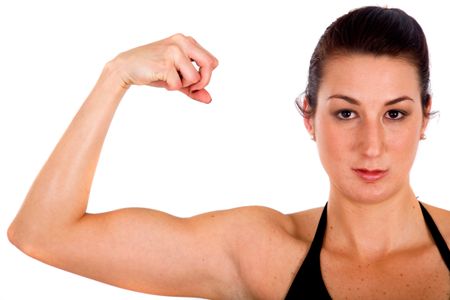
168	63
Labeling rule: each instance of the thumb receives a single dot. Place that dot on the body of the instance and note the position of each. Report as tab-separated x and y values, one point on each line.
200	95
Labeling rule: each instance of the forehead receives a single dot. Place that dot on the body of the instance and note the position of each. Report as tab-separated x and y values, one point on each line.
369	78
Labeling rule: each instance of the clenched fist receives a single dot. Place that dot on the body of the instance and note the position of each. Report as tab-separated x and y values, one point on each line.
168	63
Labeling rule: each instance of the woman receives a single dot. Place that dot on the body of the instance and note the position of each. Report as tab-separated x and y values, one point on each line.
366	105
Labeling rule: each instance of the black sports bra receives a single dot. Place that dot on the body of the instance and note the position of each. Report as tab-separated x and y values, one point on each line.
308	283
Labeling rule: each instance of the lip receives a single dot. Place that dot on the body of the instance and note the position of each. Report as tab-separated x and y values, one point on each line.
370	175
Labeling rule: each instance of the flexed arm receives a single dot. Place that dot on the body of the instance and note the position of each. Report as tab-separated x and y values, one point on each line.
64	182
139	249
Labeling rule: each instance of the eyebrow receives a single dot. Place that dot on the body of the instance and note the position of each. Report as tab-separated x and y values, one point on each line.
356	102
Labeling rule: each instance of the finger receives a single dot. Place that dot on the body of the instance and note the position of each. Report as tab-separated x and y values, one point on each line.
187	72
203	49
206	62
173	80
200	95
205	77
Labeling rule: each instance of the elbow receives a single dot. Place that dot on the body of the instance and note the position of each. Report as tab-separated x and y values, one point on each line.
22	239
15	237
12	235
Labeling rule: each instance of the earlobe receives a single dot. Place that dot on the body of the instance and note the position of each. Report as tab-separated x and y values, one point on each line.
426	117
308	119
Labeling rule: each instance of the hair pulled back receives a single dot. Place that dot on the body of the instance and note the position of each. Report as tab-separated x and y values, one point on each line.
370	30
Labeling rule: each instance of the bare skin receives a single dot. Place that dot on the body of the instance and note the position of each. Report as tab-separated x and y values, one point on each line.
376	235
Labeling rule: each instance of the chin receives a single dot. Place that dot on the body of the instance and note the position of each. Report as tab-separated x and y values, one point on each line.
367	193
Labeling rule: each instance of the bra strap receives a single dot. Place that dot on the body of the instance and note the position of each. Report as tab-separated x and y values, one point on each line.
438	239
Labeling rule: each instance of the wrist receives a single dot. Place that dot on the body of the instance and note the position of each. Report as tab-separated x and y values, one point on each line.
110	86
113	74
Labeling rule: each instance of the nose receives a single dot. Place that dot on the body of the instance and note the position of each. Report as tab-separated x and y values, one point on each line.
372	143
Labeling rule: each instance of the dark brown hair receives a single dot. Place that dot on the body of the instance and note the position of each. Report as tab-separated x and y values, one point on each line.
370	30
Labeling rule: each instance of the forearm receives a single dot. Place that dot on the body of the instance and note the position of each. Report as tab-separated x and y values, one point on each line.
140	249
59	194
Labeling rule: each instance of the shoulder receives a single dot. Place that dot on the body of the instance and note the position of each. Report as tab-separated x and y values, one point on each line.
247	229
305	222
442	219
263	217
250	220
268	246
265	247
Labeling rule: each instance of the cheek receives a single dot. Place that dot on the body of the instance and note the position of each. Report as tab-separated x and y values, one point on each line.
402	146
333	144
400	142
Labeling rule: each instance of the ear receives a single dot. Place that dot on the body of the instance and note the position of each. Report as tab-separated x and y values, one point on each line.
307	119
426	118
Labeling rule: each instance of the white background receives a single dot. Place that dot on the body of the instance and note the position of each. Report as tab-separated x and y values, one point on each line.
163	150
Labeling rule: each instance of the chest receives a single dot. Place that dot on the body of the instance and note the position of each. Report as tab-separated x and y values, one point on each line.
403	276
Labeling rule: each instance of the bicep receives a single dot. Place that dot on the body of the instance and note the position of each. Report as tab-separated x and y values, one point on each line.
147	251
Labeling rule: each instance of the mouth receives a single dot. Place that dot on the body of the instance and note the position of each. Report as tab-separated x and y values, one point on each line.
370	175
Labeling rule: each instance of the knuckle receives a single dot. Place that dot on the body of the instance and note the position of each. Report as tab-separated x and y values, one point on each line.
215	62
195	77
191	79
191	39
212	62
173	50
177	37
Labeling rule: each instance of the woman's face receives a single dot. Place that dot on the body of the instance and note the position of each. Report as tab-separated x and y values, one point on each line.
367	125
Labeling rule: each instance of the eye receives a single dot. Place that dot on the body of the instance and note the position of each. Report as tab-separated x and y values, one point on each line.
346	114
395	114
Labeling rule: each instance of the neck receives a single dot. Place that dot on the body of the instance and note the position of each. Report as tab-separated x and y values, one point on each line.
376	229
